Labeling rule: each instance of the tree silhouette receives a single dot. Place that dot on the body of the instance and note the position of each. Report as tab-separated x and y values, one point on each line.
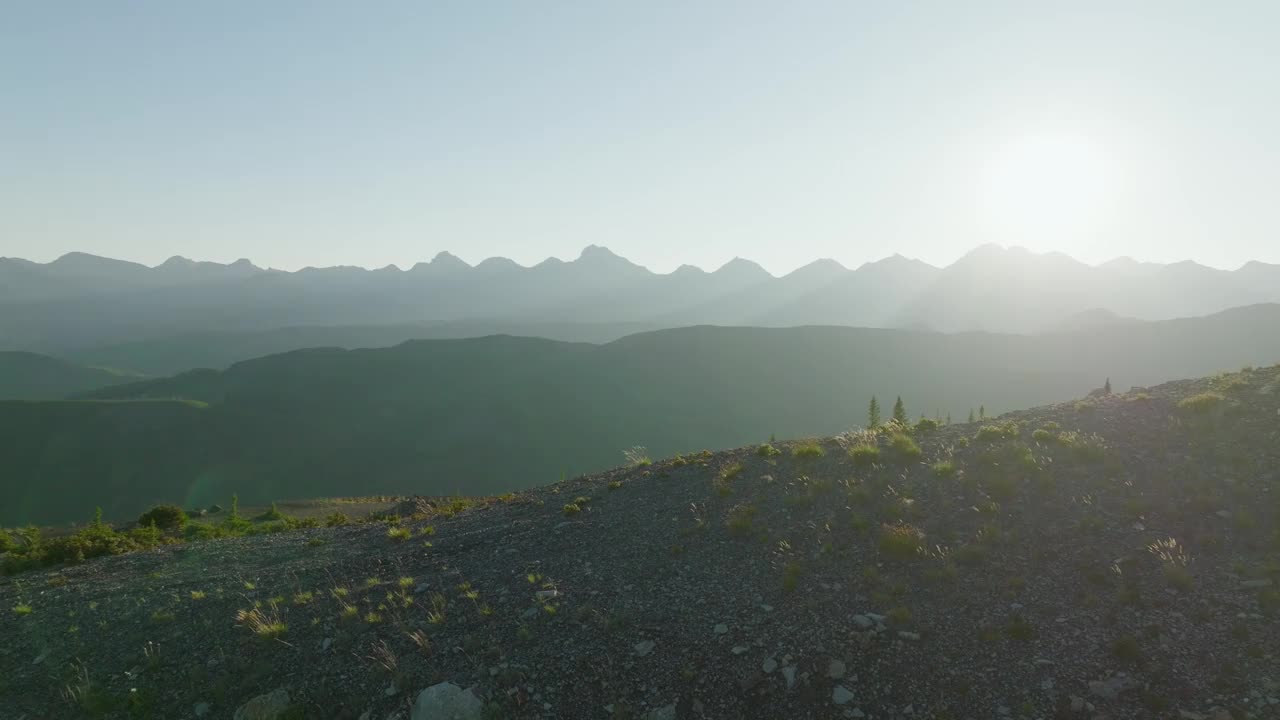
873	413
900	411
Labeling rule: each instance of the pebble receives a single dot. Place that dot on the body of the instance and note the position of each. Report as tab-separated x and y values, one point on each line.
721	629
908	635
201	709
789	673
769	665
863	621
738	649
835	669
841	695
644	647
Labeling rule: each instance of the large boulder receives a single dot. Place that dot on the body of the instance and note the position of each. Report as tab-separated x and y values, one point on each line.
447	701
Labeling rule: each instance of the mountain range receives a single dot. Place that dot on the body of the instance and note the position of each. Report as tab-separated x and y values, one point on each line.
498	413
90	307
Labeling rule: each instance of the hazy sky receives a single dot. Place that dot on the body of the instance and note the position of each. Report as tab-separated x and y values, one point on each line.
319	133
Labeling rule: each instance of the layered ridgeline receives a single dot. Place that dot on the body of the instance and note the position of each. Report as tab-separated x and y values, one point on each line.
1108	558
29	376
99	310
500	413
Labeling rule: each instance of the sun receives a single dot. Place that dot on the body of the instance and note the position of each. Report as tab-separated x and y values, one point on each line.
1046	190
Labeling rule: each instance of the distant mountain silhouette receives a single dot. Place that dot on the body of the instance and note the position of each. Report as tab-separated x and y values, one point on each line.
490	414
81	302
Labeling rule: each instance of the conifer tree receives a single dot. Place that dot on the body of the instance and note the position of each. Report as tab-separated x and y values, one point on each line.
900	411
1106	388
982	412
948	418
970	414
873	413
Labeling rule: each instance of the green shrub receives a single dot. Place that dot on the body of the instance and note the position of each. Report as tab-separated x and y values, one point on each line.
1126	648
197	531
399	534
165	517
997	431
926	425
572	509
272	514
7	543
337	518
864	454
808	450
767	451
1202	404
739	520
944	468
1019	629
901	541
904	447
1042	436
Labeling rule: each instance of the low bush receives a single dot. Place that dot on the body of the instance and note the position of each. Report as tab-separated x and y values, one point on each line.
864	454
808	450
904	447
1202	404
926	425
901	541
165	517
997	431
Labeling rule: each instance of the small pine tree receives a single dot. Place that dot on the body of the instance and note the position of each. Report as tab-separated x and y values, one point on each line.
970	414
948	418
873	413
1106	387
900	411
982	412
235	506
97	517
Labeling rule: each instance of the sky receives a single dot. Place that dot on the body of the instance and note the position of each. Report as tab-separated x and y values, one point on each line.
337	133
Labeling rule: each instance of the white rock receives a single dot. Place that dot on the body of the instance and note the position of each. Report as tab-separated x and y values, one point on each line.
739	649
769	665
447	701
721	629
789	674
644	647
863	621
270	706
841	695
667	712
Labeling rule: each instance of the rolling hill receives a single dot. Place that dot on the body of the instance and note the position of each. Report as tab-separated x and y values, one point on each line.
29	376
499	413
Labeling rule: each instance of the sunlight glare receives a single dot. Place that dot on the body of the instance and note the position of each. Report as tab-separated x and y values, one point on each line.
1046	190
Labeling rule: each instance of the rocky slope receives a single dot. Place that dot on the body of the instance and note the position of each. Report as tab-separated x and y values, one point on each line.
1111	558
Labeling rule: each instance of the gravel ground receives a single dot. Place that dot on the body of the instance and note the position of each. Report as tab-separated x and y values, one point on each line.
1025	580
